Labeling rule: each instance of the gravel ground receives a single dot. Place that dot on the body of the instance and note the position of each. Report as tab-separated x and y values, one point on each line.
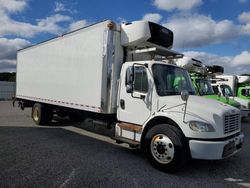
65	155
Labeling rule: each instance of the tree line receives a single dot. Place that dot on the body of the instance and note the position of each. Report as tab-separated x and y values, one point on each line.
7	76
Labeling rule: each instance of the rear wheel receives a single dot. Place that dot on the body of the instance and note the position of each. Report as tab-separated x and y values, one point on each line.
41	114
166	148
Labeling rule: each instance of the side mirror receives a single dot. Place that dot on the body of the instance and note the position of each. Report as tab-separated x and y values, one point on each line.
129	80
184	95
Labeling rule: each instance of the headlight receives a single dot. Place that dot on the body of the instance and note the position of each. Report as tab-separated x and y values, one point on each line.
201	126
243	106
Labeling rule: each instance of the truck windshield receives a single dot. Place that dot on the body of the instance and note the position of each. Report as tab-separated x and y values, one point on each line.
204	87
171	80
226	90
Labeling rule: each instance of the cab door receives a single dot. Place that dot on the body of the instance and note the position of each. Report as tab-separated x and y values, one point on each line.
134	102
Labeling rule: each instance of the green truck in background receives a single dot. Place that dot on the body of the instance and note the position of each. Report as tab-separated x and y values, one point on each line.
203	87
202	76
235	87
240	85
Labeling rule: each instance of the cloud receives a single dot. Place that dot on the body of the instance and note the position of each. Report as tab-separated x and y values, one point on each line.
50	24
195	30
241	59
183	5
12	5
8	51
244	17
243	1
238	64
78	24
209	59
122	20
245	29
153	17
10	26
9	47
7	65
59	7
53	24
22	29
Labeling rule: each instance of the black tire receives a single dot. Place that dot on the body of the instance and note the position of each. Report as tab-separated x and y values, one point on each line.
41	114
166	148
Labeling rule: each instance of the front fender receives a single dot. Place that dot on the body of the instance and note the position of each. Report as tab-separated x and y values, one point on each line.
177	119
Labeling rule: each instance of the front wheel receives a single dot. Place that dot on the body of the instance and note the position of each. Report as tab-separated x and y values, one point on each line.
166	148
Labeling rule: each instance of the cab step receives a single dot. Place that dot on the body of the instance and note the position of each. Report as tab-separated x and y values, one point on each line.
130	127
131	143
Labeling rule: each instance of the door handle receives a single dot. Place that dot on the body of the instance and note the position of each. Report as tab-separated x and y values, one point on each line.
122	104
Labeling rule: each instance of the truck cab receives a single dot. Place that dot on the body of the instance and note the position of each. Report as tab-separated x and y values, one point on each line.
159	111
243	86
234	87
226	90
244	92
204	88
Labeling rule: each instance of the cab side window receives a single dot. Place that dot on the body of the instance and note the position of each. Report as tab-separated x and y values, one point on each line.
141	79
245	92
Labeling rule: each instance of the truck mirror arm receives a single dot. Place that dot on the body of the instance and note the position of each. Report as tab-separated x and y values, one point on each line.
184	97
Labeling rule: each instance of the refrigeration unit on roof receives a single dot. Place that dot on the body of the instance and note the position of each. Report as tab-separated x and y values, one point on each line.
144	34
243	79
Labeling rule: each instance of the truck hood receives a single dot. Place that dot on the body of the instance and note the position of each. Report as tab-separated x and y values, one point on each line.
245	103
198	107
230	101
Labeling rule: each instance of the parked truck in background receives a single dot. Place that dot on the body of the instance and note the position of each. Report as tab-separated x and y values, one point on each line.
115	74
201	78
235	87
240	85
243	86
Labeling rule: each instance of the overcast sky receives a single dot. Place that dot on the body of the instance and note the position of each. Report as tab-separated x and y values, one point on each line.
214	31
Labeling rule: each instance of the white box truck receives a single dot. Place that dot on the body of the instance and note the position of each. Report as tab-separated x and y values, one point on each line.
115	73
235	87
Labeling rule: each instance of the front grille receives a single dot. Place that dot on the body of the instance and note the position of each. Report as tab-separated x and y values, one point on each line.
231	123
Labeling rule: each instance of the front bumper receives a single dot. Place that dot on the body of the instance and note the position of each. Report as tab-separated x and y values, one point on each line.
213	150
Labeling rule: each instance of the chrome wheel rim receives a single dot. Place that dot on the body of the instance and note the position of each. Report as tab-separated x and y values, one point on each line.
162	149
36	114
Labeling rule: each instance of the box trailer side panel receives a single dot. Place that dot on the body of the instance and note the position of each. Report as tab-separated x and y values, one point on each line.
69	71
